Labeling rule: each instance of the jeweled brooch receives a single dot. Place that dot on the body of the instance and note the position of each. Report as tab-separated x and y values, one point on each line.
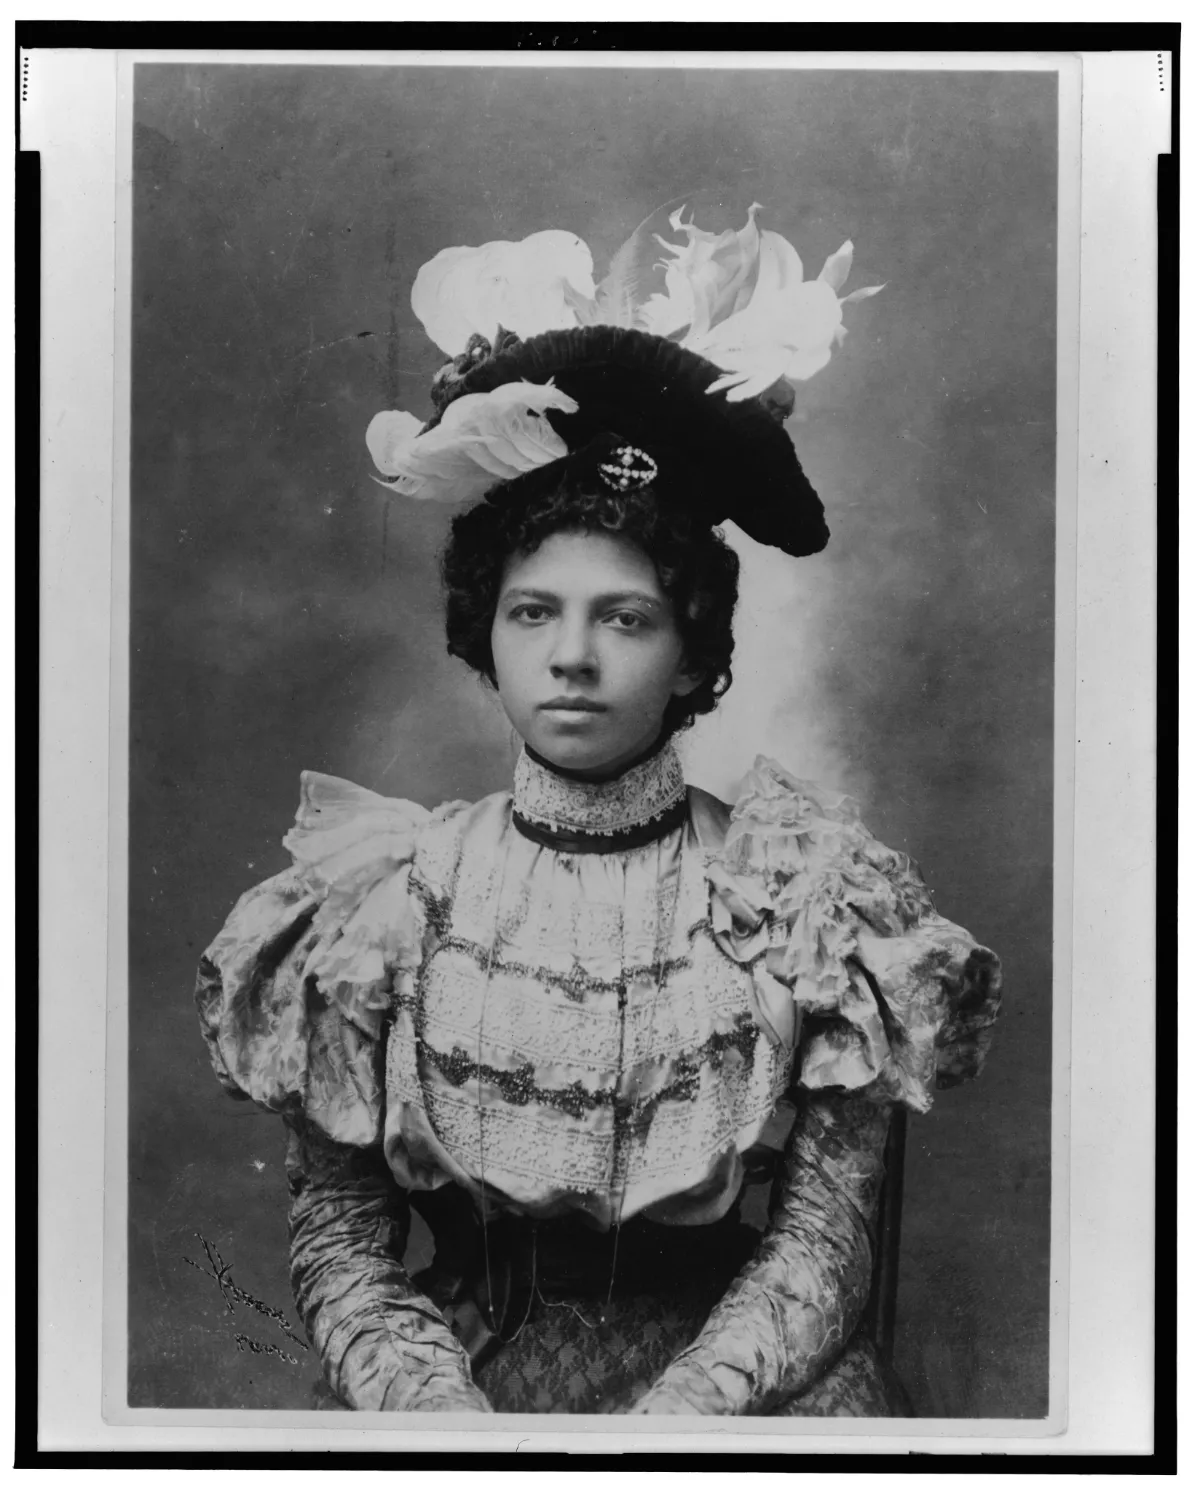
632	468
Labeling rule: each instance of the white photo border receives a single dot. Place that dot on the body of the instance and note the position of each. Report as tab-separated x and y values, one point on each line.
79	115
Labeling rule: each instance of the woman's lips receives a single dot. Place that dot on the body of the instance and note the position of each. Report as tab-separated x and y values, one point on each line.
572	706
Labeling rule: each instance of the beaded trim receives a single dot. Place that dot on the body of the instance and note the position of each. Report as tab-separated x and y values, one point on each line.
520	1087
647	794
575	985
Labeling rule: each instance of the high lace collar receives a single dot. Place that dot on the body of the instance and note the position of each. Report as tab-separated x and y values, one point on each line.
643	803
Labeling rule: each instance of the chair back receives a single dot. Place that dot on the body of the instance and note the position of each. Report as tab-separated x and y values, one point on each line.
879	1317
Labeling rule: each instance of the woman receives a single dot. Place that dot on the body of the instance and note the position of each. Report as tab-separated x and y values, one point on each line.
571	1025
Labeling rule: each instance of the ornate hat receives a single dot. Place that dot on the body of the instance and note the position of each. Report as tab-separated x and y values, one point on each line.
682	390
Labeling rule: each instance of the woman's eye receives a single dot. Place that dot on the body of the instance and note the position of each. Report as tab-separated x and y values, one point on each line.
529	611
628	621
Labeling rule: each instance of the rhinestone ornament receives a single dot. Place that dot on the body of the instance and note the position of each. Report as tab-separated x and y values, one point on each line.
632	468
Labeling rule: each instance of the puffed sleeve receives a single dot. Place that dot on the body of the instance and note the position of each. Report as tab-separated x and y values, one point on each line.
882	1001
853	966
794	1307
293	990
292	996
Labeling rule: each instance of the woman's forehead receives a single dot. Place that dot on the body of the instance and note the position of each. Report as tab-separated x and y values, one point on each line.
584	563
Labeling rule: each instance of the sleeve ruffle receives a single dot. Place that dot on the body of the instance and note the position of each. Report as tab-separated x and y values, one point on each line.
292	992
852	963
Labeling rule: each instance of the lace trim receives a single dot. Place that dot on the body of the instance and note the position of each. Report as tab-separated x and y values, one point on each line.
542	1146
616	842
576	984
528	1020
647	794
520	1087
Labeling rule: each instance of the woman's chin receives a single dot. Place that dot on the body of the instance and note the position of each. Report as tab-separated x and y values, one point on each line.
575	744
574	752
579	751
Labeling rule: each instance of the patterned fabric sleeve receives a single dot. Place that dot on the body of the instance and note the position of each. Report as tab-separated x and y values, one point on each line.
293	991
381	1343
794	1307
853	966
292	996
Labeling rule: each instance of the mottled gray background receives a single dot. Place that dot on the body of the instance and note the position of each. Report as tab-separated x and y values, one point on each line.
283	618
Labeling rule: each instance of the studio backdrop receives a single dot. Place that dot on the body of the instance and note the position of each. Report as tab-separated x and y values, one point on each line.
286	610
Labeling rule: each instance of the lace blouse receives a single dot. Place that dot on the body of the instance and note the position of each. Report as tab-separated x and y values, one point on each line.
588	999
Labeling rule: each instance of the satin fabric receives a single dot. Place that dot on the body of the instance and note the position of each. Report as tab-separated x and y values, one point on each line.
606	1033
443	1001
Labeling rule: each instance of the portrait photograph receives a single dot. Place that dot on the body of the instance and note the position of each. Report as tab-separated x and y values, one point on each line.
598	749
618	505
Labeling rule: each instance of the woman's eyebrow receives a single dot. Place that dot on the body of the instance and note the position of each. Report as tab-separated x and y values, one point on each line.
527	593
623	597
609	598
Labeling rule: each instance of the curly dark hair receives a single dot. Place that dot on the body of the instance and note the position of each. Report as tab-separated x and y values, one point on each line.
696	567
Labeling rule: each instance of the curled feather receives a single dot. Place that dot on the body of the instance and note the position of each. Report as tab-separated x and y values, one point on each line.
526	287
483	438
740	299
710	277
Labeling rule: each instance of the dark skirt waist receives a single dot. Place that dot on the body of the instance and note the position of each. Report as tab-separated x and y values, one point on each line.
485	1283
565	1256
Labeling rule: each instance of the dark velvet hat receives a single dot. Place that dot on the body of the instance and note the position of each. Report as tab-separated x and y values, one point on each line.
673	376
645	416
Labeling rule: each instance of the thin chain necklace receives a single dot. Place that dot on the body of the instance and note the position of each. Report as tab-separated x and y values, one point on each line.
483	1205
660	951
625	1131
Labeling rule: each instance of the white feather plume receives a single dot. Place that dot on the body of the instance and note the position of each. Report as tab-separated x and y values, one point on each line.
483	438
738	298
525	287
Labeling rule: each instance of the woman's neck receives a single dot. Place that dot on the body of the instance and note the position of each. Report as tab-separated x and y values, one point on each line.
603	773
643	801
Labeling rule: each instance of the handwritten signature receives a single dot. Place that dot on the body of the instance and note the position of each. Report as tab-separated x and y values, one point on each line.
219	1271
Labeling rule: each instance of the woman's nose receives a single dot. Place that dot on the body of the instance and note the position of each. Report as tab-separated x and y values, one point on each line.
573	654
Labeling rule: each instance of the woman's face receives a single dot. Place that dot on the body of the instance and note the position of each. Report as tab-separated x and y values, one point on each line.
586	650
